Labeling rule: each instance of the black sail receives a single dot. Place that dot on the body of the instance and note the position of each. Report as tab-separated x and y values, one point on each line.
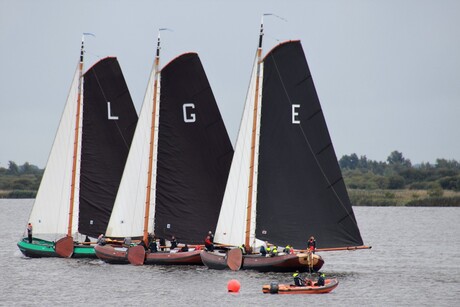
109	121
194	153
300	189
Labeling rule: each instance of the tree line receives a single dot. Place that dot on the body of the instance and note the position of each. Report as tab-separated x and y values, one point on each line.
397	172
396	182
20	181
369	182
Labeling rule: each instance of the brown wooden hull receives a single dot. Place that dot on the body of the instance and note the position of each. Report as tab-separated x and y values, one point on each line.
275	288
179	258
119	255
112	254
283	263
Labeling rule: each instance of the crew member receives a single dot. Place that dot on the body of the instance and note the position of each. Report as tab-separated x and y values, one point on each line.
101	239
142	243
173	242
287	249
211	236
263	251
127	241
153	246
29	232
208	244
274	251
269	250
184	248
311	245
298	280
162	244
320	281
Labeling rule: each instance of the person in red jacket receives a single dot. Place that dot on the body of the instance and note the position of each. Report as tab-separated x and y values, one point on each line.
312	244
208	244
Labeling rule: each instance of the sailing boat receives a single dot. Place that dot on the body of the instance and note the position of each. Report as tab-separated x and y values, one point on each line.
177	167
284	183
84	169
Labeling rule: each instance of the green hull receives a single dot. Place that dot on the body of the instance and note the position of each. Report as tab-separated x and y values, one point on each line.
42	248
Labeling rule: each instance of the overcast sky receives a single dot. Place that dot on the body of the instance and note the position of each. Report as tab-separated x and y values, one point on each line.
387	72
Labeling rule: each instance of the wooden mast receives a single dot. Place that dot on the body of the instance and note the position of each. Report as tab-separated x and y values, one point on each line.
253	139
76	138
152	140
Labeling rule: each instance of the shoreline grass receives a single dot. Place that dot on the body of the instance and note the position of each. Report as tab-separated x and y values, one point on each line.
404	197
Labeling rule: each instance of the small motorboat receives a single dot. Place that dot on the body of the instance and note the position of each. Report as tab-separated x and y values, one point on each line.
275	288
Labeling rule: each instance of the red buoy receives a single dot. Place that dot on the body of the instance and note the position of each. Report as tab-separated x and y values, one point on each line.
233	285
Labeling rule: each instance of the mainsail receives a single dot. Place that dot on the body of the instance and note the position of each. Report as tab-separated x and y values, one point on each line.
191	158
297	189
300	191
194	153
108	109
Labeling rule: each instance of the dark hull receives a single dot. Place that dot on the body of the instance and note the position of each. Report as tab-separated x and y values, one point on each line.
111	254
283	263
119	255
42	248
274	288
180	258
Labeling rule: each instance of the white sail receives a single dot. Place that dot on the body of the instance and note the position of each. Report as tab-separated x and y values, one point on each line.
231	226
127	219
50	212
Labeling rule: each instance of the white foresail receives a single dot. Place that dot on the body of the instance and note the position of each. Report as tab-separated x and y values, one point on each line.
232	219
127	219
50	213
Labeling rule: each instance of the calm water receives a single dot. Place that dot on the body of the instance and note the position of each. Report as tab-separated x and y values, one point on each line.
415	261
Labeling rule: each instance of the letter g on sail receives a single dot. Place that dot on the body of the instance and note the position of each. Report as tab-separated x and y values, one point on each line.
189	117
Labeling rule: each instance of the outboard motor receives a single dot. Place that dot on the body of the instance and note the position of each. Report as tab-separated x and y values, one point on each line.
274	288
